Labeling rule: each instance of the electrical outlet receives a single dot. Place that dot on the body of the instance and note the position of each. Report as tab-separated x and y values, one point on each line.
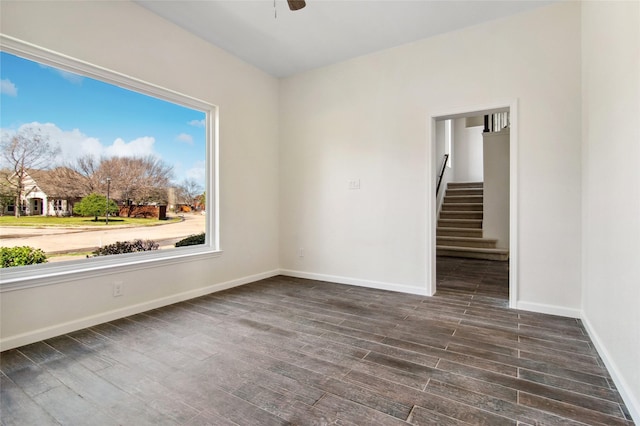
118	288
301	252
354	184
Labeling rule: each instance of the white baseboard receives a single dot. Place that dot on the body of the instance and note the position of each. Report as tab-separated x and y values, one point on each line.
380	285
630	398
68	327
527	306
549	309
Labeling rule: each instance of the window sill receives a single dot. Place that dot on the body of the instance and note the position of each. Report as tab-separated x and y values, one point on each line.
41	275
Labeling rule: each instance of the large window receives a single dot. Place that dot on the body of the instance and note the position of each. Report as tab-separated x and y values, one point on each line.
109	170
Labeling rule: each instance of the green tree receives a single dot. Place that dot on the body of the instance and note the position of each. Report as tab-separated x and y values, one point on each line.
95	205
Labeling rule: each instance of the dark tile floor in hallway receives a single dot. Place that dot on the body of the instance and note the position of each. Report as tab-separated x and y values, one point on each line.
293	351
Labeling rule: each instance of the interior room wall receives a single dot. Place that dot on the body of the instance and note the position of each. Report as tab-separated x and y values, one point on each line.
474	121
365	119
441	149
611	182
467	148
126	38
496	169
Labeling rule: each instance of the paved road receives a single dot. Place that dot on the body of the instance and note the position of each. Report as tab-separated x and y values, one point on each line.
61	240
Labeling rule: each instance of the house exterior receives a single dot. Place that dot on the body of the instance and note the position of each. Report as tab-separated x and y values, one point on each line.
54	193
573	68
45	194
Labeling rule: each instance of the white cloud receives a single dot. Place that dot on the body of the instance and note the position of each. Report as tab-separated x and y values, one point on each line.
8	88
196	123
69	76
140	147
75	144
185	138
197	172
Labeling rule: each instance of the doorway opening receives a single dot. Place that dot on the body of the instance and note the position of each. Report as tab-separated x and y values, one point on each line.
472	208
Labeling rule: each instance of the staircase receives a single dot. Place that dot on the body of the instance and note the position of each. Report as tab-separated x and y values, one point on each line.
459	231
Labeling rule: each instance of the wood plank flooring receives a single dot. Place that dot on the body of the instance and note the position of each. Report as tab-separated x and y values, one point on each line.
302	352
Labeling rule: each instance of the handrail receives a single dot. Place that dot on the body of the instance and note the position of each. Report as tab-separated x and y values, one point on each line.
496	122
442	169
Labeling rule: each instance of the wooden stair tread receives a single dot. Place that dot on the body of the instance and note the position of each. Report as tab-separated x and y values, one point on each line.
462	207
461	223
466	241
462	220
465	185
461	239
453	214
474	249
459	232
467	199
465	191
500	257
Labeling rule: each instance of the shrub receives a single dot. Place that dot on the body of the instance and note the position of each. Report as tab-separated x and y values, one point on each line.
20	256
94	205
121	247
191	240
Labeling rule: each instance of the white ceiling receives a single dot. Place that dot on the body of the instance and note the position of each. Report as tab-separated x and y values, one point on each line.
282	42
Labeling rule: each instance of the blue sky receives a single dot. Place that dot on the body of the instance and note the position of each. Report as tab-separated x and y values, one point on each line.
87	116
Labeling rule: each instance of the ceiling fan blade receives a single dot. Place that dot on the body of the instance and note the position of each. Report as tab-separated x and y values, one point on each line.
296	4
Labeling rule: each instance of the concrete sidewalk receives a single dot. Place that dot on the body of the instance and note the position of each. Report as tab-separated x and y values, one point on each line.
66	240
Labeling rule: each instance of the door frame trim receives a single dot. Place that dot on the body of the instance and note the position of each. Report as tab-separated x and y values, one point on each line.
459	112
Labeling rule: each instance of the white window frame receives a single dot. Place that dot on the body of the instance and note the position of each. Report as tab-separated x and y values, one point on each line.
52	273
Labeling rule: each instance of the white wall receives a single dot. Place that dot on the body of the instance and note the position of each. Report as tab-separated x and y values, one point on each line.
124	37
467	150
441	149
478	120
611	182
496	166
366	118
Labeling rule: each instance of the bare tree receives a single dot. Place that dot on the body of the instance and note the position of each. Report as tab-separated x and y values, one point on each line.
188	192
6	191
25	150
138	179
88	180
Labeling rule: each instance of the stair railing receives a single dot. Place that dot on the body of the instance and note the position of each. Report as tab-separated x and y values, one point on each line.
496	121
442	169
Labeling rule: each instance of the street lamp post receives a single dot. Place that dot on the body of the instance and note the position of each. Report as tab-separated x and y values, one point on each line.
107	212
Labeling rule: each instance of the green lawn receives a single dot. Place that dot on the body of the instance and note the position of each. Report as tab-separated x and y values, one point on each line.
74	221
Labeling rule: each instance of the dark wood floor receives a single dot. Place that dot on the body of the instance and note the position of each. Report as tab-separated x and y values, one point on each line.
293	351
